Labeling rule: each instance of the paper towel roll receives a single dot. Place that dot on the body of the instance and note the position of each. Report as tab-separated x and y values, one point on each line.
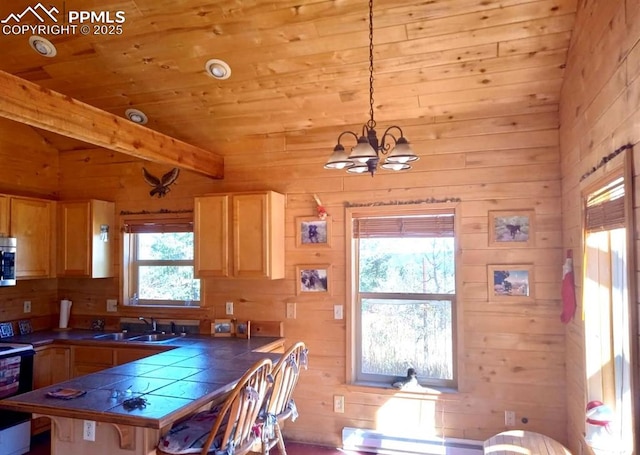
65	310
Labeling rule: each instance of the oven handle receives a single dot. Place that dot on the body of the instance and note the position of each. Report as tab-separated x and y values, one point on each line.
26	353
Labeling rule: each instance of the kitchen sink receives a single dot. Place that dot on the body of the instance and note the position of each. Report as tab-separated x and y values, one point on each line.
155	337
117	336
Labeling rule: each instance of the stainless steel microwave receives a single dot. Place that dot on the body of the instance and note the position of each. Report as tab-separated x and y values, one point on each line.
8	261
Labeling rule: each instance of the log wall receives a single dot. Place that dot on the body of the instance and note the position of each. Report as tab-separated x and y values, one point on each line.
29	168
599	113
512	354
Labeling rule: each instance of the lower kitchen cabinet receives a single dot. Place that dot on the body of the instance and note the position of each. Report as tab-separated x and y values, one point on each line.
90	359
126	355
50	366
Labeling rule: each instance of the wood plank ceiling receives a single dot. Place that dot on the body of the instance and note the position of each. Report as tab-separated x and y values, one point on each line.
300	67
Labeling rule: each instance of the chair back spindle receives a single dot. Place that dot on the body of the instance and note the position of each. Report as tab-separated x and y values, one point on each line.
279	404
229	428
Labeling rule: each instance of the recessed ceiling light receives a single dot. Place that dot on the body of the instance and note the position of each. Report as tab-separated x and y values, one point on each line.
218	69
136	116
42	46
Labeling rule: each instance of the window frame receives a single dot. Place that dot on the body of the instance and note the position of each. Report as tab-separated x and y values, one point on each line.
353	349
617	167
131	264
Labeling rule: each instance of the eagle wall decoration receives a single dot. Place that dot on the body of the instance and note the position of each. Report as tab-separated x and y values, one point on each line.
161	185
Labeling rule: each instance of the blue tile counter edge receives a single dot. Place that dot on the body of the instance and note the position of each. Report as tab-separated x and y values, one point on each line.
215	363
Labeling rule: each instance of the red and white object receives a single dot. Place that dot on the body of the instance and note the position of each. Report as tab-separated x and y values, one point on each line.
599	435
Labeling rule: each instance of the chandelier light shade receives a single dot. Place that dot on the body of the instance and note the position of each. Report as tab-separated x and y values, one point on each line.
368	151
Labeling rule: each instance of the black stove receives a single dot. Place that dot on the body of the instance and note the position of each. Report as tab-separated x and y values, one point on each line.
7	349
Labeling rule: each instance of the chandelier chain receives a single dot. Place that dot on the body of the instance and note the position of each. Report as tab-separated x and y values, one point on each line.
371	123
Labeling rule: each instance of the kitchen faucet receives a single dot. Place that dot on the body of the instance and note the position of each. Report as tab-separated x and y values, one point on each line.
153	323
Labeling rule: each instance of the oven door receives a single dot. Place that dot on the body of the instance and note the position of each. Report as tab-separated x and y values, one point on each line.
16	377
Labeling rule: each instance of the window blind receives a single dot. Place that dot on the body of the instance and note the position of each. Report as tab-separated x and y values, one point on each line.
436	225
157	226
605	207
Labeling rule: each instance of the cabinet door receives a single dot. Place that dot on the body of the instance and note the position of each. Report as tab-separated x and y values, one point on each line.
258	235
50	366
250	235
32	225
61	365
82	252
4	216
102	216
211	236
74	236
89	359
126	355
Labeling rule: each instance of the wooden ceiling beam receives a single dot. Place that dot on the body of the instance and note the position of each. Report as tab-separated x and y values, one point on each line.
29	103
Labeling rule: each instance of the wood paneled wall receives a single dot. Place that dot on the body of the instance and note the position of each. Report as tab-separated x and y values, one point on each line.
512	355
29	168
600	111
29	163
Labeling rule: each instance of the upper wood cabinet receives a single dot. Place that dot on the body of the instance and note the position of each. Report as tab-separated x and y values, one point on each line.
85	238
240	235
4	215
32	223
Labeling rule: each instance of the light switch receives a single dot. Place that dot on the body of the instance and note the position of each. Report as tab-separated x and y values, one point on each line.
337	312
229	308
291	310
112	305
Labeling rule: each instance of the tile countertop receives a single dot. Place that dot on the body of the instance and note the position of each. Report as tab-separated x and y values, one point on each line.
189	374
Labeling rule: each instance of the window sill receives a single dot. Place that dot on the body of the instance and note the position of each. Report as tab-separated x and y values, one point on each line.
383	389
166	312
150	305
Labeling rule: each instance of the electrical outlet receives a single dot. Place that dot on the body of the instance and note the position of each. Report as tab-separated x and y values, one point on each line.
112	305
89	430
27	306
229	308
510	418
291	310
337	312
338	404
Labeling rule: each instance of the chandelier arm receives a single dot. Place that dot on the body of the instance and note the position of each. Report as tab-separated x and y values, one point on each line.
393	127
385	147
347	132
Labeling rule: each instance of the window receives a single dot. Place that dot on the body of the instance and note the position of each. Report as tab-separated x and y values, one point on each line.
159	263
607	295
404	290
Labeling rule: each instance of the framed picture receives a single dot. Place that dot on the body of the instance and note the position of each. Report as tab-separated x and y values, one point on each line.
25	327
6	329
222	328
509	282
511	228
243	329
311	231
313	279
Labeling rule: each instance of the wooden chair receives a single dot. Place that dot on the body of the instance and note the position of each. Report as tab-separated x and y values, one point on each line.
279	405
229	427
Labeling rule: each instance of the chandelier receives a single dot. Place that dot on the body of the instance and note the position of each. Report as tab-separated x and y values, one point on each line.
366	154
